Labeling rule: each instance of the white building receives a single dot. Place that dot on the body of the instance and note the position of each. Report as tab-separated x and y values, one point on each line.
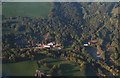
46	46
50	43
85	44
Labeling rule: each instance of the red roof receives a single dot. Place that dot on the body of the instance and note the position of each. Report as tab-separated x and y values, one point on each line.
93	41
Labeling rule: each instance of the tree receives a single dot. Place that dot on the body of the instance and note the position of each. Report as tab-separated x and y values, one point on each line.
12	58
83	50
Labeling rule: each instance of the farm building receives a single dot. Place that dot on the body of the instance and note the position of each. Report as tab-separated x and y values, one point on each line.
85	44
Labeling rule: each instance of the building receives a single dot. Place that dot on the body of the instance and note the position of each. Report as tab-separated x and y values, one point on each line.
52	43
46	46
85	44
93	41
98	52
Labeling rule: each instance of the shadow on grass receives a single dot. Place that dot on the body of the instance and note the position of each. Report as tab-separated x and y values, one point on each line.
66	69
90	70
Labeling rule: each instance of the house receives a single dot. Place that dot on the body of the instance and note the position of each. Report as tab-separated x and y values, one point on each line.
46	46
85	44
52	43
93	41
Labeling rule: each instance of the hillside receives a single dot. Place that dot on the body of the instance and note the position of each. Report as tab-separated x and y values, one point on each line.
86	32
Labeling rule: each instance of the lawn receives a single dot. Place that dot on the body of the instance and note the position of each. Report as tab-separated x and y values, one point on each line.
26	68
67	68
26	9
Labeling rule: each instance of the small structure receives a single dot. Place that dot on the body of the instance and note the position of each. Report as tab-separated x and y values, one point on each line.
93	41
39	73
98	52
89	43
85	44
52	43
46	46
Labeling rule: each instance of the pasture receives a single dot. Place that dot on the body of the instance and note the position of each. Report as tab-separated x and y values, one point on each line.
26	9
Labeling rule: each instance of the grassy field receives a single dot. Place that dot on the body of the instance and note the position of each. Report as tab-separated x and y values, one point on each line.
67	68
29	9
28	68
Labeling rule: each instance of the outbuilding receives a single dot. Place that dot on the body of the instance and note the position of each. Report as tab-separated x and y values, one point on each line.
85	44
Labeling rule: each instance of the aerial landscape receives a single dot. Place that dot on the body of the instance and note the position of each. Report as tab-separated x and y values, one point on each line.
60	39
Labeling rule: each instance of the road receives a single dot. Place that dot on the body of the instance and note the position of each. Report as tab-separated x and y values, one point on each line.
93	52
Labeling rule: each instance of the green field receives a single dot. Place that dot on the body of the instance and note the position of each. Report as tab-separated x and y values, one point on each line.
66	68
27	9
28	68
